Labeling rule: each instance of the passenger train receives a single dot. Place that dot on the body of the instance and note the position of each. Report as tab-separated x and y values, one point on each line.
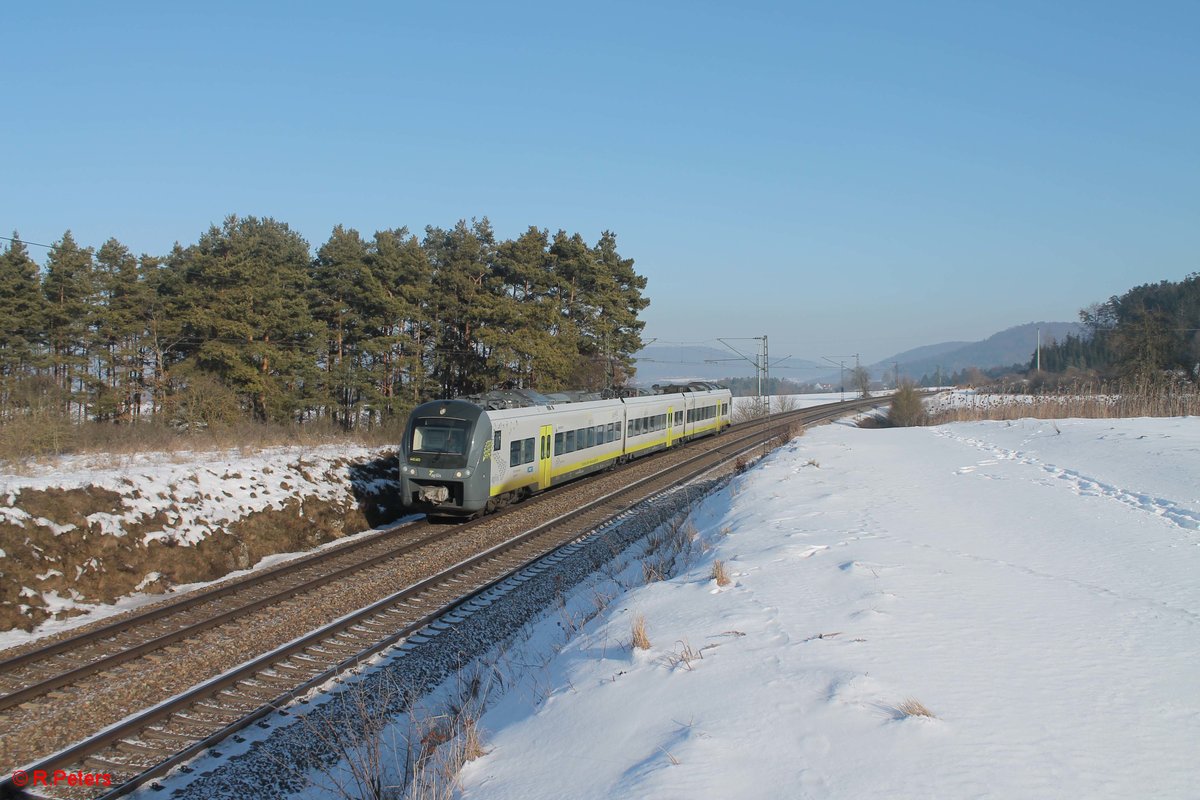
470	455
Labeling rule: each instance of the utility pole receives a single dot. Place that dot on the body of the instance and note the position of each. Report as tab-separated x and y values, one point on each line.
761	368
1039	350
766	372
842	364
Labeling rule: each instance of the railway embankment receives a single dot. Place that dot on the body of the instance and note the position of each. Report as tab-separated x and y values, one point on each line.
84	532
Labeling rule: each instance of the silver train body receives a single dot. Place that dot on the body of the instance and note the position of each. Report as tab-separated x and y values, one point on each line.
459	457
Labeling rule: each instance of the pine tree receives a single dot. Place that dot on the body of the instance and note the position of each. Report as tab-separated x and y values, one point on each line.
69	289
118	330
464	299
348	299
22	321
619	296
247	316
535	337
401	330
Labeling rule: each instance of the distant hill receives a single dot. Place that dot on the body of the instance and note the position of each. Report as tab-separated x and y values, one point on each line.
670	363
1012	346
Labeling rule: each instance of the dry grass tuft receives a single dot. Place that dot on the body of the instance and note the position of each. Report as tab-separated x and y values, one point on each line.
912	707
719	574
640	640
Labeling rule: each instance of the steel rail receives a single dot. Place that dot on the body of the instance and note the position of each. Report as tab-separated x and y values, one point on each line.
190	601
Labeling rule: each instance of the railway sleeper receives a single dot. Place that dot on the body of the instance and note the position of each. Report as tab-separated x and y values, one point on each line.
294	669
165	735
239	699
191	724
219	713
276	680
140	749
116	768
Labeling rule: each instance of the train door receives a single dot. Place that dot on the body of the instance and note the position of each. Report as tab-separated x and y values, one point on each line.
670	425
545	450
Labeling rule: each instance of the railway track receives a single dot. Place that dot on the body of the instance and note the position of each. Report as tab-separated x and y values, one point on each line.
150	742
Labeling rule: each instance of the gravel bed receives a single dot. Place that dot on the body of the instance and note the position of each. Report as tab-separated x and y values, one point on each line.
271	767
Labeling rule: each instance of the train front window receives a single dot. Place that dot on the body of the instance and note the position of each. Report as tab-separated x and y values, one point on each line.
440	435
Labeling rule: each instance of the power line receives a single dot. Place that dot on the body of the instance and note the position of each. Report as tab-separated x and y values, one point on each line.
22	241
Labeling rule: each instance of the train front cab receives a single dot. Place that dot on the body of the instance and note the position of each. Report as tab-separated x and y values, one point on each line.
445	458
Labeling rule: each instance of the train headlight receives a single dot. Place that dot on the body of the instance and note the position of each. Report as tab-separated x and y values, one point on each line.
458	474
468	473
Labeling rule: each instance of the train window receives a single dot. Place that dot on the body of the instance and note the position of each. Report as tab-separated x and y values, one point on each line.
440	435
618	429
599	434
527	456
570	442
496	442
610	434
558	444
514	453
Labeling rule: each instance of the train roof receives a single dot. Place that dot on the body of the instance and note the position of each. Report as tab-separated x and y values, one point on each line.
528	398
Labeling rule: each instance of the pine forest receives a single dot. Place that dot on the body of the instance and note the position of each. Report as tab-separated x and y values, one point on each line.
249	323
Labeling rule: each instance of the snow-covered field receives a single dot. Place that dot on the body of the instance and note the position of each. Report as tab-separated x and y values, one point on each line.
1033	584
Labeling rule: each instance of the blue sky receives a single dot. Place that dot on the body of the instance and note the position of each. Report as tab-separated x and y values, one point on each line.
843	177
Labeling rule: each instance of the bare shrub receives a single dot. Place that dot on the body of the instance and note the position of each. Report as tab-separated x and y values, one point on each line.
685	655
908	407
719	574
749	409
640	640
785	403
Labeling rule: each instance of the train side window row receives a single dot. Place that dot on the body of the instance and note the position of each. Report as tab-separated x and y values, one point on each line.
647	424
520	452
701	414
583	438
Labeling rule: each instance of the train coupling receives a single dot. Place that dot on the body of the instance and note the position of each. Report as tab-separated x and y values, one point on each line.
434	494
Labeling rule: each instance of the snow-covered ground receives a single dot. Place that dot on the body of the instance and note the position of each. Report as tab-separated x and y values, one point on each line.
181	498
1033	584
204	490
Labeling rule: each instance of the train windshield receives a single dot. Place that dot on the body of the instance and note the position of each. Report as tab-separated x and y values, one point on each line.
440	435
